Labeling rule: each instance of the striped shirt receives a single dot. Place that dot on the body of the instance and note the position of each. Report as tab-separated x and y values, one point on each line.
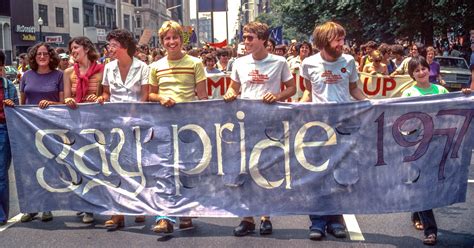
177	79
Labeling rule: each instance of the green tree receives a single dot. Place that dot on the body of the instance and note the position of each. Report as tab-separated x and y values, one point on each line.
381	20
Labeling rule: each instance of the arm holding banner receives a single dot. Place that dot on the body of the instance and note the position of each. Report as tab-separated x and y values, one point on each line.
154	96
232	92
201	90
307	92
68	100
356	92
289	91
105	95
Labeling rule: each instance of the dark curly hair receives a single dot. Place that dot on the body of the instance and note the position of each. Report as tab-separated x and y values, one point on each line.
86	43
53	56
414	63
125	38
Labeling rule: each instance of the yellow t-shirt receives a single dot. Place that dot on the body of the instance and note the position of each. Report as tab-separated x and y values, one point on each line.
177	78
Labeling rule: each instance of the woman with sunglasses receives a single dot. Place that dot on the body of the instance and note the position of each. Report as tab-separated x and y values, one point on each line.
42	85
376	66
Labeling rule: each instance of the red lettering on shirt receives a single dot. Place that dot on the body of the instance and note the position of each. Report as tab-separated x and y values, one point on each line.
258	78
330	78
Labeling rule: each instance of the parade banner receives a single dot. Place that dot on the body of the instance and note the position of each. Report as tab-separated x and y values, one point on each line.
379	86
244	158
373	86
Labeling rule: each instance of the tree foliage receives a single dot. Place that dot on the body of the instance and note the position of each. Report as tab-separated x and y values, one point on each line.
382	20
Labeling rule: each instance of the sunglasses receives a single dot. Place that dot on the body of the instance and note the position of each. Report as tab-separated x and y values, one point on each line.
248	37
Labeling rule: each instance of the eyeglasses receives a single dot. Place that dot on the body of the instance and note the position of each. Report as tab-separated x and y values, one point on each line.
248	37
44	54
414	49
377	60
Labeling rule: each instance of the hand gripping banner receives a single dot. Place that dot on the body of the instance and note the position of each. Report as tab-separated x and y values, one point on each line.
244	158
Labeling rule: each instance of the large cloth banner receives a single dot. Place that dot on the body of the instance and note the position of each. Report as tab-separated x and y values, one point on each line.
373	86
244	158
379	86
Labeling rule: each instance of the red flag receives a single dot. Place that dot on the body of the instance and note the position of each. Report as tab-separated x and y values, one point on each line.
219	44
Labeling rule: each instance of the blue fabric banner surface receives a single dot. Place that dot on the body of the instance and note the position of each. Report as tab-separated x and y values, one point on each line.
244	158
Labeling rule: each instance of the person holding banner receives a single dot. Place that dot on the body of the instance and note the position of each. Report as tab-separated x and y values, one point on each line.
9	97
176	78
419	70
82	81
125	79
42	85
330	76
259	75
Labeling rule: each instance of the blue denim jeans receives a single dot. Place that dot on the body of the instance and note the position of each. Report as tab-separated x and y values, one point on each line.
320	222
5	159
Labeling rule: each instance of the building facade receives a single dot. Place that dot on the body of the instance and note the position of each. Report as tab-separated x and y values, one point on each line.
150	15
24	31
55	16
100	17
76	18
6	31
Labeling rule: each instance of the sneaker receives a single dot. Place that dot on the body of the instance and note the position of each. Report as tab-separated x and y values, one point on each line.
47	216
339	233
244	228
88	218
266	227
185	223
430	239
316	235
163	226
28	217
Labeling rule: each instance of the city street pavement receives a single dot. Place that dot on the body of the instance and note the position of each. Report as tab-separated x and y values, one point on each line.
455	223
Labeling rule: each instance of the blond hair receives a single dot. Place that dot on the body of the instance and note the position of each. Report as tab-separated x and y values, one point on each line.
375	54
327	32
168	26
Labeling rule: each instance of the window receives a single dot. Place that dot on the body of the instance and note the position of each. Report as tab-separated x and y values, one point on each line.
126	22
110	15
139	21
88	17
59	17
75	15
100	15
43	13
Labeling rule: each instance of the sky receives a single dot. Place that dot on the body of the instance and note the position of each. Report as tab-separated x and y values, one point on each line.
219	19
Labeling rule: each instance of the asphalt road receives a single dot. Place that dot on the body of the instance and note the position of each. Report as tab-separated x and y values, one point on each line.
455	223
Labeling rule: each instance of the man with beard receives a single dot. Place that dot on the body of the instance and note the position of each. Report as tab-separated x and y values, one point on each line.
330	76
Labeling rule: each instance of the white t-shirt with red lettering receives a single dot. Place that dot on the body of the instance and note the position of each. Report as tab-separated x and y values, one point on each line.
258	77
330	80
